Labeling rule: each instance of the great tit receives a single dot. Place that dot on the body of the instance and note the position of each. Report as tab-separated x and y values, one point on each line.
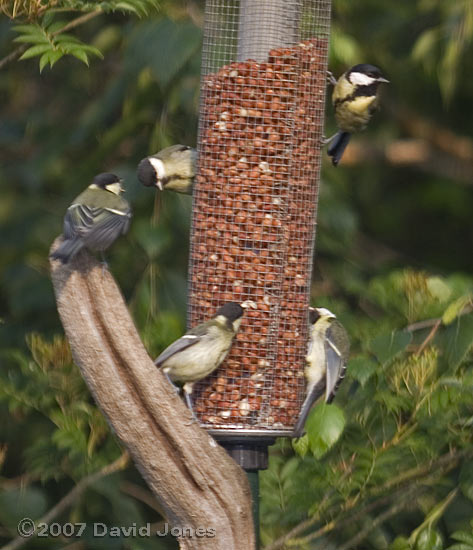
172	168
327	357
354	100
95	219
202	349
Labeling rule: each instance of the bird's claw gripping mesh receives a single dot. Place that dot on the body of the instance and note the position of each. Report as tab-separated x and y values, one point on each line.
255	201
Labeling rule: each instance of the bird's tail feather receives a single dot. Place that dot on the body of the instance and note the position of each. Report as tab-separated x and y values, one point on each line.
66	250
310	399
338	146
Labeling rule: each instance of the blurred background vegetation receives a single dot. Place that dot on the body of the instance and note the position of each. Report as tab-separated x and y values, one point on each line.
387	466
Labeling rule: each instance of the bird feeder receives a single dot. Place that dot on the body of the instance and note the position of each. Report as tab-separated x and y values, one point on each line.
254	206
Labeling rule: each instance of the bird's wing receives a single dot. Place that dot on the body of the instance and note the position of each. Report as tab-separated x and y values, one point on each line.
312	395
96	225
184	342
336	367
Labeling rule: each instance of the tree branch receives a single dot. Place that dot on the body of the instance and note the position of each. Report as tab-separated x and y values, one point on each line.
195	481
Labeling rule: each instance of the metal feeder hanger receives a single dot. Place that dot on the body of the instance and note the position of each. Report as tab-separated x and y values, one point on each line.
263	84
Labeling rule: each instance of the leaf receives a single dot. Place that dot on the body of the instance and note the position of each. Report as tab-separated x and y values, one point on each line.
438	288
50	57
36	50
32	39
175	42
301	445
66	37
455	308
361	369
20	503
466	480
458	340
324	427
80	54
400	543
30	29
48	18
56	26
127	6
388	345
429	539
462	536
289	468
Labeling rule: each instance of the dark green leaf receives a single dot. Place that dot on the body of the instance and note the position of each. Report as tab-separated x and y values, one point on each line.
19	503
458	339
176	43
361	369
466	479
388	345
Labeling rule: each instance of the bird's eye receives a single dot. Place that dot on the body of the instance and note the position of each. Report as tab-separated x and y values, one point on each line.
184	148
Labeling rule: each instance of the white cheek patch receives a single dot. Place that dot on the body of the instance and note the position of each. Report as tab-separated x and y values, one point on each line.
158	165
361	79
324	312
114	188
190	336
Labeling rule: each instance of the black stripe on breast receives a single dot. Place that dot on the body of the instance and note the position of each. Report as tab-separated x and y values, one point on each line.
361	91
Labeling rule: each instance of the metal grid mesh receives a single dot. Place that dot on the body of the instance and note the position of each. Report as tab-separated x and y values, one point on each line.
255	201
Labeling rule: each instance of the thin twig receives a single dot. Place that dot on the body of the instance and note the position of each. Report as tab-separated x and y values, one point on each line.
431	334
399	505
432	322
72	496
15	54
351	518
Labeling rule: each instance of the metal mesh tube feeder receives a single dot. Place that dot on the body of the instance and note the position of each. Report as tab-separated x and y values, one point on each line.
254	207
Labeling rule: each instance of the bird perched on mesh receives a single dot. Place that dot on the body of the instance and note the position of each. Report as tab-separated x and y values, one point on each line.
202	349
327	357
95	219
354	100
173	168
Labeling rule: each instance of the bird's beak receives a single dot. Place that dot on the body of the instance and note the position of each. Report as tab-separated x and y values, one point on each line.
249	303
382	79
159	185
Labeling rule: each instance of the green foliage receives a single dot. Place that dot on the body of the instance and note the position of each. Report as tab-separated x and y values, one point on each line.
48	41
392	439
46	383
50	44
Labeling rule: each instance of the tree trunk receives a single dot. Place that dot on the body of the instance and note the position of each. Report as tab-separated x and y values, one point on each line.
199	487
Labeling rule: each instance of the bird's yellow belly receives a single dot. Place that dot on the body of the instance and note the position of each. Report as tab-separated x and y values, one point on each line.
353	116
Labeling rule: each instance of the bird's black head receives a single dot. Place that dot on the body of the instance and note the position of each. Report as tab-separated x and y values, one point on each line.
146	173
102	180
231	310
372	73
313	315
